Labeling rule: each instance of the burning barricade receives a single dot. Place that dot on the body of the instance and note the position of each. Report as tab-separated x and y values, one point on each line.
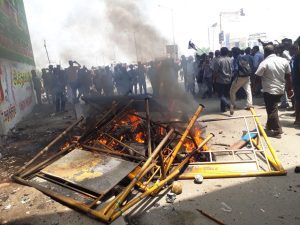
131	152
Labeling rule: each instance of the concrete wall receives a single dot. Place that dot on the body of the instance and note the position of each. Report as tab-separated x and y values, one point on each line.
17	97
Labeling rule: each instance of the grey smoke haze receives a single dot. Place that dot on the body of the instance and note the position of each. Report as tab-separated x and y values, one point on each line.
128	24
104	29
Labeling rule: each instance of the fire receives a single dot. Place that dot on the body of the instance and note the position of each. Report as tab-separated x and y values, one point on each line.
66	145
134	120
139	137
161	131
189	146
102	141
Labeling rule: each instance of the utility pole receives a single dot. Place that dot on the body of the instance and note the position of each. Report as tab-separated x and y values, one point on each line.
46	51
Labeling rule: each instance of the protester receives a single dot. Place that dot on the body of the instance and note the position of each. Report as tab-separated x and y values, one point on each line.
141	78
213	64
241	74
281	50
222	77
190	75
98	81
60	82
37	85
72	78
207	77
84	82
258	57
133	76
152	74
183	65
47	77
107	79
199	72
126	82
275	75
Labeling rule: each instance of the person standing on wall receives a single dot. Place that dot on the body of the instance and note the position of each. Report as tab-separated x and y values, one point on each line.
37	85
275	73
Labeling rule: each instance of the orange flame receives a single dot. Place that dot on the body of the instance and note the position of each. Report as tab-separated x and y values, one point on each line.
161	131
134	120
139	137
103	141
197	136
189	145
66	145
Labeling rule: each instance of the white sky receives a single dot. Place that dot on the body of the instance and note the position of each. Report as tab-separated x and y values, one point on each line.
56	21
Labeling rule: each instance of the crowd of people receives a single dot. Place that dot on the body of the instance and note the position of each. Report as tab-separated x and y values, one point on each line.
60	85
273	74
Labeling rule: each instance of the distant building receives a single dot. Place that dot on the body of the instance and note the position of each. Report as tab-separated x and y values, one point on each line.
253	39
17	96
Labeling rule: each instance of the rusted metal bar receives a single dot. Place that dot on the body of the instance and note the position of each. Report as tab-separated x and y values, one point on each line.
184	135
66	131
44	163
96	200
121	197
211	217
162	165
113	152
131	176
207	120
125	145
65	185
66	200
265	136
175	172
148	126
99	123
160	125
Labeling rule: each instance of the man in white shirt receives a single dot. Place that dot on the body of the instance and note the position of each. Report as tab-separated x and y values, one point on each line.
275	73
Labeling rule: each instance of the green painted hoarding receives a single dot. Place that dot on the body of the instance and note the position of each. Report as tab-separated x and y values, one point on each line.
15	41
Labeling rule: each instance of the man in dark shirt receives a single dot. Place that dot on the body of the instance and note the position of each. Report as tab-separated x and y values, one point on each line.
133	75
37	85
60	82
222	77
184	69
141	78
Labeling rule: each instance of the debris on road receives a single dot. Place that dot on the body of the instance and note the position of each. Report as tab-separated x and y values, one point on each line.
225	207
128	153
198	179
211	217
170	198
176	187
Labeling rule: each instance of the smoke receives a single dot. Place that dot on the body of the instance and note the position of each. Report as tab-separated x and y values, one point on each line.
130	32
99	32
